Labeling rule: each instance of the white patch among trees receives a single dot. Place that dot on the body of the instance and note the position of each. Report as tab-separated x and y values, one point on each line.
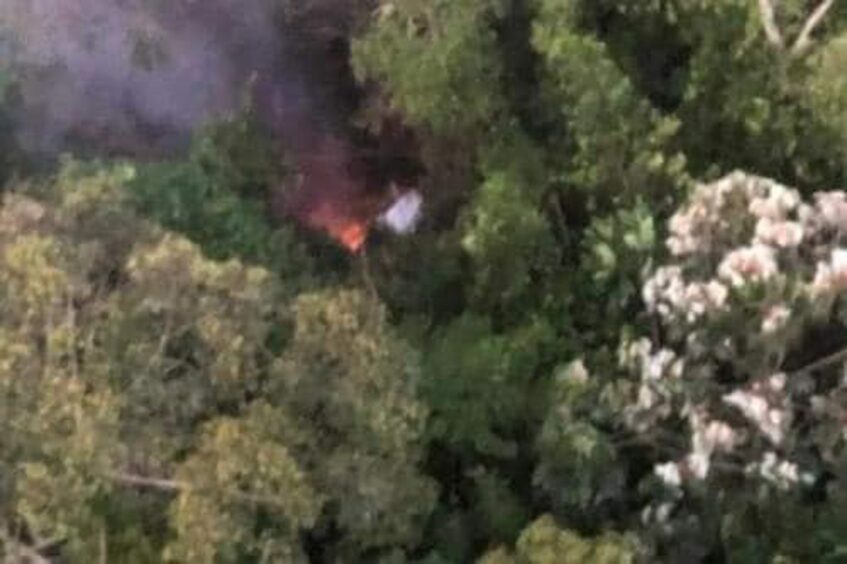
404	214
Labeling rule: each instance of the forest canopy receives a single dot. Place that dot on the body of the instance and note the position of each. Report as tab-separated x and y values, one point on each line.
617	334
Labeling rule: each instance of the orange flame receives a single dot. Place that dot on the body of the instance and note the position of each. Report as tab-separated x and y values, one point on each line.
353	236
350	231
328	197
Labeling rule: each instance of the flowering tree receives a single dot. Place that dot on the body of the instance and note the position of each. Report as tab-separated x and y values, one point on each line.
744	380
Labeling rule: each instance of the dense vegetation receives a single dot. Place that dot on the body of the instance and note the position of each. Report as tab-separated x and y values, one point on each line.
617	336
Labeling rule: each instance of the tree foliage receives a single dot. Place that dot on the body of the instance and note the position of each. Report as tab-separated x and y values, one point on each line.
617	335
133	361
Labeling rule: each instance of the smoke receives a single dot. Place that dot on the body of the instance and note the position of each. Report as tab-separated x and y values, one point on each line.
333	197
136	76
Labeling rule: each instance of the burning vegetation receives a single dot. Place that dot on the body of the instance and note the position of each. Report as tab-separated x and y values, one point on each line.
333	192
136	78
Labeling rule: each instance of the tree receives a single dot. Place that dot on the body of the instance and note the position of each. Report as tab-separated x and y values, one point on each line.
437	60
481	385
136	370
543	542
826	88
738	399
345	371
219	198
617	145
244	477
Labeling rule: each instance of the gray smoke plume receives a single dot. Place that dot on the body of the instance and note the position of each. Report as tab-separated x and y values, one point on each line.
136	76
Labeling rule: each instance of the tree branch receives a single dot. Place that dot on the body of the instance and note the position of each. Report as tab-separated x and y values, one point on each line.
18	552
174	486
145	482
837	356
772	32
104	547
804	40
366	273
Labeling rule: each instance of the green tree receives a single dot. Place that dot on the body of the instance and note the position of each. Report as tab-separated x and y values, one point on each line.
438	61
481	386
615	144
242	478
219	198
345	371
137	374
544	542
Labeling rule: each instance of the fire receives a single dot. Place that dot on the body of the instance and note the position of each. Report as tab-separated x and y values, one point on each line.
328	196
334	194
350	231
353	236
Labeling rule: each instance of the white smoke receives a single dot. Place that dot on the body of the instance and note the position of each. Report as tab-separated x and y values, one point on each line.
125	73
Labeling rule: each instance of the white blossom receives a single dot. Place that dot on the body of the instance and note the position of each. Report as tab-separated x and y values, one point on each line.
576	371
667	294
690	227
631	353
658	513
715	436
708	437
810	219
716	293
784	234
773	383
766	413
831	208
775	319
661	364
669	474
778	202
665	288
651	366
781	473
733	233
698	464
702	298
752	405
756	263
663	511
831	276
647	398
684	227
